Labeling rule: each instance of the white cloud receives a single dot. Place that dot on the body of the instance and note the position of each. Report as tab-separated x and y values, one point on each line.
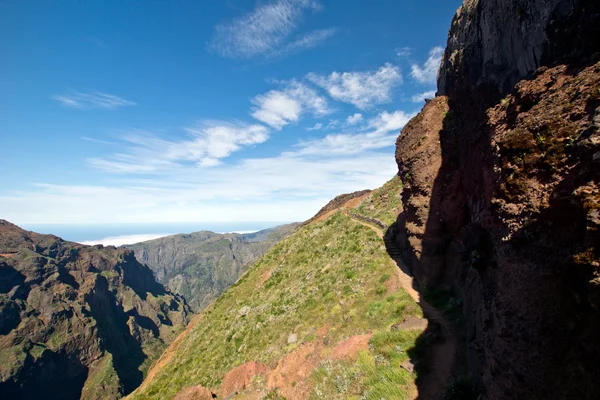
205	145
404	52
278	108
390	122
363	89
251	190
268	31
428	72
92	100
420	97
317	127
125	239
334	123
354	119
382	132
308	41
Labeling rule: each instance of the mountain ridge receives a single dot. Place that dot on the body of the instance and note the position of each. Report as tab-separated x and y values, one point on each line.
201	265
78	321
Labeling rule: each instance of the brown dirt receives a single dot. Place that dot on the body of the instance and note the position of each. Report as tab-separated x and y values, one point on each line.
240	377
345	201
264	276
411	324
194	393
292	371
350	348
7	255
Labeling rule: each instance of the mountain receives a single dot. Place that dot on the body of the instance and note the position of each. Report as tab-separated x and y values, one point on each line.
78	321
501	199
201	265
326	313
493	220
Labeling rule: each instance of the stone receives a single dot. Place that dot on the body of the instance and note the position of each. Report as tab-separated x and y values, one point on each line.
293	338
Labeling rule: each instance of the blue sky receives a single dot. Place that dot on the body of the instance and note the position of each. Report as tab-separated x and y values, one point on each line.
199	111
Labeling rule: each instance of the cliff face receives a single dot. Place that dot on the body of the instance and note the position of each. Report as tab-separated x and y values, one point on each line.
493	44
202	265
78	321
502	191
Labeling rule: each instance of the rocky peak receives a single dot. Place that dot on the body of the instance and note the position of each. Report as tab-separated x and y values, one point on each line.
493	44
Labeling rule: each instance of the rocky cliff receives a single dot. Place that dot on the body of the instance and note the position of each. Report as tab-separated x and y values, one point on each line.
501	195
201	265
78	321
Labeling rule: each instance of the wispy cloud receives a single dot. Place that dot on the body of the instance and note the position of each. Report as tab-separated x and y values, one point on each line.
354	119
404	52
363	89
278	108
268	31
428	72
381	131
251	190
316	127
418	98
100	141
92	100
205	145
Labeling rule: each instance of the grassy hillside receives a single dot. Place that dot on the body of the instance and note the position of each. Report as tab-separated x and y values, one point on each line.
383	203
329	281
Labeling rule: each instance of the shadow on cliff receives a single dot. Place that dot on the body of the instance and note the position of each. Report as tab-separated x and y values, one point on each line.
114	331
527	304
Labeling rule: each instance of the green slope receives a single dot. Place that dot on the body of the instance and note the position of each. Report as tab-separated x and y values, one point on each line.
335	272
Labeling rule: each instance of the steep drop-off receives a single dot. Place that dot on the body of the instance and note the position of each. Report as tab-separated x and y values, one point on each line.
78	321
201	265
321	315
501	195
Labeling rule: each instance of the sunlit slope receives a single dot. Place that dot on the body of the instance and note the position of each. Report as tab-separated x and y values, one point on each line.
329	281
384	203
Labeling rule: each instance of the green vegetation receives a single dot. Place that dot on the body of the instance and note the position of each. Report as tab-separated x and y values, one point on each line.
102	381
326	273
383	203
377	374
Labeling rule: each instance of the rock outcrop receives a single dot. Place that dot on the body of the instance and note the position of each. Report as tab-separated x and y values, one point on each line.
501	194
493	44
78	321
202	265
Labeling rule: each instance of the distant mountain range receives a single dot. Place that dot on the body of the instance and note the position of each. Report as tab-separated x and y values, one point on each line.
78	321
200	266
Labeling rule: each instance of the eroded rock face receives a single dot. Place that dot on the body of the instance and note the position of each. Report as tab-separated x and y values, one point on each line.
501	194
496	43
78	321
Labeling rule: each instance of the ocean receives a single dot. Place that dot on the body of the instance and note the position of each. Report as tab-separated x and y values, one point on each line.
119	234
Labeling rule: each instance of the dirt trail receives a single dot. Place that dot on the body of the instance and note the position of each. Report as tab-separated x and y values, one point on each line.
441	355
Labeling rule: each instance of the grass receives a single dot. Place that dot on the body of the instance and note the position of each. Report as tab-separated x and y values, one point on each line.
376	374
328	272
102	378
383	203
